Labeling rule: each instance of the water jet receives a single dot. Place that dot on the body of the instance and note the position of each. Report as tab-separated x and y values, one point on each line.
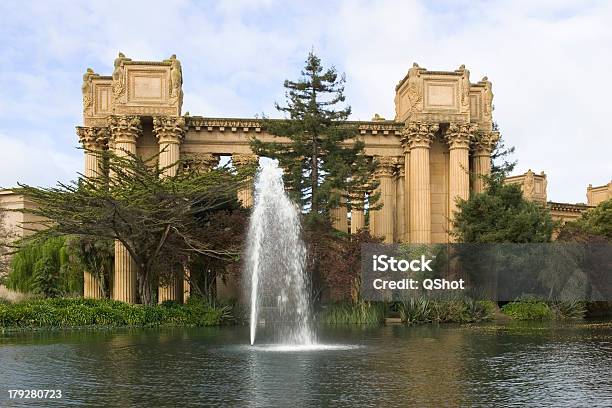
275	259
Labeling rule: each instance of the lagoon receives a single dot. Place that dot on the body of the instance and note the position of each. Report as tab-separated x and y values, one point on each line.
511	364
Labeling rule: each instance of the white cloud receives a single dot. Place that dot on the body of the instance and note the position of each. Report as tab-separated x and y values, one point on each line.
35	163
548	61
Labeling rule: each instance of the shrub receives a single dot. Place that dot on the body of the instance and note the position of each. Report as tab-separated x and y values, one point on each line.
528	309
424	310
572	309
42	266
66	312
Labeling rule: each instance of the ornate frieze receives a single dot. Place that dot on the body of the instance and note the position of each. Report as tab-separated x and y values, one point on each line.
375	128
169	129
249	125
460	135
125	128
210	124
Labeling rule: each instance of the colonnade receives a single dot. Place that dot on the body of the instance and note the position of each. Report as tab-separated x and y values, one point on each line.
403	212
121	136
404	182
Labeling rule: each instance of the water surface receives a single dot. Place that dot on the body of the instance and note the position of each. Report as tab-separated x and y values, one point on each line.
480	365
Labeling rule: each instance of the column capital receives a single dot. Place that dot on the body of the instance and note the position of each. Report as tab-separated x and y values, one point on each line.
401	169
244	159
385	166
93	137
459	135
418	135
125	128
169	129
485	142
200	161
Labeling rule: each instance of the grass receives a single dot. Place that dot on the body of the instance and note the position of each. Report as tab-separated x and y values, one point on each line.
354	313
424	310
413	311
77	312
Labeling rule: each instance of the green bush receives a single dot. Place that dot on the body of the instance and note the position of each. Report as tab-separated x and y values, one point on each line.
537	309
43	266
424	310
528	310
68	312
354	313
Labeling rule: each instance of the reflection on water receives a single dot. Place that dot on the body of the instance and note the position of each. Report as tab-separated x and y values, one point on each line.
482	365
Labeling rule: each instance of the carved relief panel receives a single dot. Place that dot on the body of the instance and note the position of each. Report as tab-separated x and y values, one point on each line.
433	96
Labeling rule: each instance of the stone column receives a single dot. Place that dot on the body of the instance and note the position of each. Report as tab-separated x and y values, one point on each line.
481	159
357	213
400	193
200	162
339	216
125	130
406	146
245	195
94	140
384	222
458	137
420	136
170	131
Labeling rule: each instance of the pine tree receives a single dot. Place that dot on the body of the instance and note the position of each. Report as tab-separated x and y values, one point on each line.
316	145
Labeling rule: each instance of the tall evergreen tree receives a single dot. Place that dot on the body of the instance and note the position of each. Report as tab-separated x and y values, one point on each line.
315	143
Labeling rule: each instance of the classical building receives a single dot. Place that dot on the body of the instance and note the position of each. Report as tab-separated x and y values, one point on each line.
430	154
534	186
596	195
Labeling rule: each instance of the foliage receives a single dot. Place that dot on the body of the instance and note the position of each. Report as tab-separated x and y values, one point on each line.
315	143
43	266
501	166
162	221
594	223
417	310
223	227
93	254
573	309
501	214
528	310
5	240
65	312
354	313
335	259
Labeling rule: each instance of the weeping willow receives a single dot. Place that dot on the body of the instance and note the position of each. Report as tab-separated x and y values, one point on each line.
45	266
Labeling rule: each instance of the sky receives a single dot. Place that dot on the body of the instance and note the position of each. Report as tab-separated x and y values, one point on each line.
549	62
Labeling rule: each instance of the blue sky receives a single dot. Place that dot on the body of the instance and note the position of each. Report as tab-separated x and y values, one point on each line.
549	62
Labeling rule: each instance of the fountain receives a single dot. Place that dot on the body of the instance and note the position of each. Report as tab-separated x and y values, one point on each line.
275	261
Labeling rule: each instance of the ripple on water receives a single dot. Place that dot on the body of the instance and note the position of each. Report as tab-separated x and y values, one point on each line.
289	348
